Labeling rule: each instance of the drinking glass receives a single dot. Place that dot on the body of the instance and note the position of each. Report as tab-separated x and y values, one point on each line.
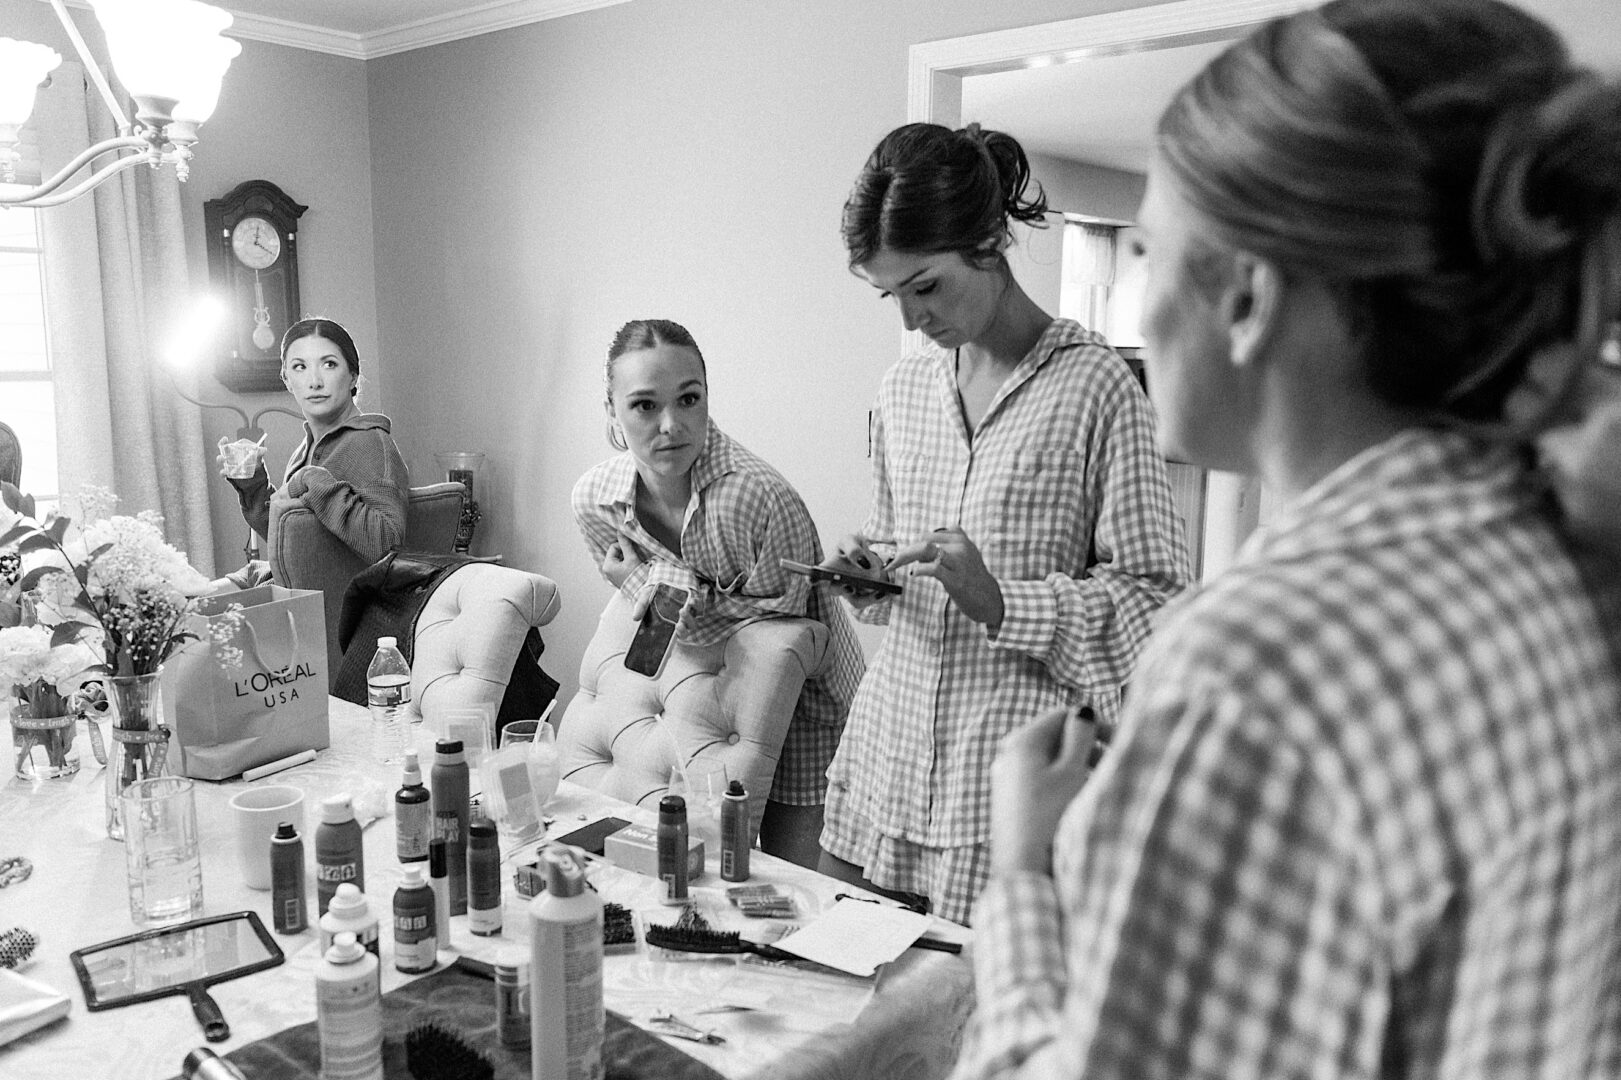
161	852
519	731
703	785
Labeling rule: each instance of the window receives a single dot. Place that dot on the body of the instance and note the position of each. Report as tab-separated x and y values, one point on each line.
27	398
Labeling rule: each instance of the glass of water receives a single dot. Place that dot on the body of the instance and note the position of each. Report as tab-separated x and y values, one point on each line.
161	851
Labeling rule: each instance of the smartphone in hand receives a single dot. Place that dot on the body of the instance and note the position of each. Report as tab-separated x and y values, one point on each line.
859	582
651	644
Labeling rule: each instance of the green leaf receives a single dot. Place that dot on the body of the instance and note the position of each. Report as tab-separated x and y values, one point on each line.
15	533
36	541
32	579
10	614
67	633
57	529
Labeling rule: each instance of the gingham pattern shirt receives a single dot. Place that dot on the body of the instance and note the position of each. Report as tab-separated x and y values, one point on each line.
1363	820
1064	492
741	520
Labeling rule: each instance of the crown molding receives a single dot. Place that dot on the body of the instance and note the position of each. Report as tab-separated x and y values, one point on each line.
484	19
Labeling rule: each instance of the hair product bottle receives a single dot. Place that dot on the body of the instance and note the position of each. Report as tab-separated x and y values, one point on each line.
349	1012
339	855
350	912
672	848
413	813
416	937
734	833
288	903
565	969
450	815
483	879
439	883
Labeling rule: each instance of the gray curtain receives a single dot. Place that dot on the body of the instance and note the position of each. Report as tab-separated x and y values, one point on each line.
116	285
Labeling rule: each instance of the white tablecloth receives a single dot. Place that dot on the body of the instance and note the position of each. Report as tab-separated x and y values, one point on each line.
907	1024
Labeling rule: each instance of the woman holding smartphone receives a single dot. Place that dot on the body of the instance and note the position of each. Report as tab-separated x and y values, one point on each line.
1017	495
686	506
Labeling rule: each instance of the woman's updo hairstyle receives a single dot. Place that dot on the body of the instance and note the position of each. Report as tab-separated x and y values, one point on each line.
316	326
635	336
1444	160
927	189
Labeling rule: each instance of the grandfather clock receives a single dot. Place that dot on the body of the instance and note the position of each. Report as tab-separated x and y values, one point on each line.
253	265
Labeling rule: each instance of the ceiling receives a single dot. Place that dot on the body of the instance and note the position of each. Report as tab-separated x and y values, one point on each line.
1099	110
1103	110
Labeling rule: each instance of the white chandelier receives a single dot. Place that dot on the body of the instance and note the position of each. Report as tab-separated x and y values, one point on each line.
171	57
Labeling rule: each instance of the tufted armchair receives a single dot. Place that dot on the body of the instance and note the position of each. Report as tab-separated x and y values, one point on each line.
470	632
728	703
304	555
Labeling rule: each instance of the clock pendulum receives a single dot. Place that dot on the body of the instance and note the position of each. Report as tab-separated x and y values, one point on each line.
263	336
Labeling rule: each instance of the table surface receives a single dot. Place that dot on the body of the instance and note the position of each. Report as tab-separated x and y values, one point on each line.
908	1021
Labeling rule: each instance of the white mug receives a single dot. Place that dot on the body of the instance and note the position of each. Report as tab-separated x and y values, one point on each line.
257	811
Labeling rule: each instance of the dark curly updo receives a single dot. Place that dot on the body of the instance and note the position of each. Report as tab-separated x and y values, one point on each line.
926	189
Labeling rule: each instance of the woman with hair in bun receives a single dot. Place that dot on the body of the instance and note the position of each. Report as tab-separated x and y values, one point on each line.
346	469
1363	818
1017	496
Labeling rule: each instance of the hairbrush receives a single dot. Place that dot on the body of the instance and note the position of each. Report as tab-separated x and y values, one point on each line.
16	946
618	928
432	1053
691	939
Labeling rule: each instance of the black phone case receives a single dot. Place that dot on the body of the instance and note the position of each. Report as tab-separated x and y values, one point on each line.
593	838
652	641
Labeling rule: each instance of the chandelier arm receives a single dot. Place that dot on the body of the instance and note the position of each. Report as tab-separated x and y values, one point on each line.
121	142
124	126
42	196
277	409
174	383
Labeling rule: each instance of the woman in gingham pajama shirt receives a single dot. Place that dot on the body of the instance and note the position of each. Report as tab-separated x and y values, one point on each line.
1363	819
1017	494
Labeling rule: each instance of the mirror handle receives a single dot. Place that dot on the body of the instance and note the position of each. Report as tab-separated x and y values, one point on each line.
208	1014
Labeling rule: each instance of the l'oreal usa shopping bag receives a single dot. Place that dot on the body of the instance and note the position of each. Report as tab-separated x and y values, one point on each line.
272	705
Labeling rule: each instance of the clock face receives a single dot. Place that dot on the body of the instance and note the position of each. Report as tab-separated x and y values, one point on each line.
256	243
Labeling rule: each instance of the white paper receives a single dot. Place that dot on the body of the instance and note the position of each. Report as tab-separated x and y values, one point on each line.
857	936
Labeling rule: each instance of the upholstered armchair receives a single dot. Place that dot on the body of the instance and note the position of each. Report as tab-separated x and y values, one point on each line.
303	554
728	703
469	633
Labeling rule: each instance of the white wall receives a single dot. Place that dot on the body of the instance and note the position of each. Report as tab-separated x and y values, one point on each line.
535	188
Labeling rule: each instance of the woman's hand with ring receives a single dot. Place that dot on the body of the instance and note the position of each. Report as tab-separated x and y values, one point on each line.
852	555
951	558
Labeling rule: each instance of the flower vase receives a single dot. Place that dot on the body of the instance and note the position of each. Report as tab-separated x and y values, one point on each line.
461	467
140	739
44	745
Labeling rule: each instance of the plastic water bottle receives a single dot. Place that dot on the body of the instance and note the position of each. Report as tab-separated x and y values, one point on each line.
388	692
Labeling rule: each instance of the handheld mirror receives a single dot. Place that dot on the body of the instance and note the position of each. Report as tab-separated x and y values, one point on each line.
186	959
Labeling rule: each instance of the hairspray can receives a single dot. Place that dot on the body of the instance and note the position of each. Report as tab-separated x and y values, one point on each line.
339	855
567	1021
734	833
450	815
288	914
672	848
483	879
349	1012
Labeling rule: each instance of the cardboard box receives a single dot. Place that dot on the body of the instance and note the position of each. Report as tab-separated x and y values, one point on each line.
636	847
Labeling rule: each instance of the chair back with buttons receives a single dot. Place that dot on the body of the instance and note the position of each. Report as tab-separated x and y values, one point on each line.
729	703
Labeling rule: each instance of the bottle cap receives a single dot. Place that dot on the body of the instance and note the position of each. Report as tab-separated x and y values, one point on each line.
448	748
672	808
338	809
413	770
563	877
736	788
436	858
345	949
388	642
285	831
347	901
411	878
481	831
